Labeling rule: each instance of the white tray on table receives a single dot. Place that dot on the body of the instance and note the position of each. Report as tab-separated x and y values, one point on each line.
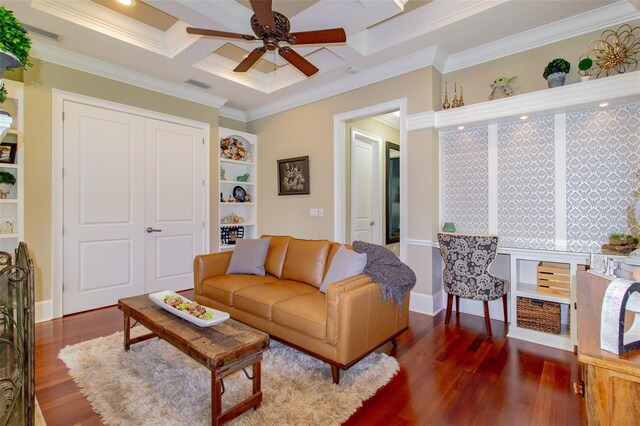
218	316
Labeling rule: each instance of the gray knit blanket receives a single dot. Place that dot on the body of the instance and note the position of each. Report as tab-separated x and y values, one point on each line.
394	277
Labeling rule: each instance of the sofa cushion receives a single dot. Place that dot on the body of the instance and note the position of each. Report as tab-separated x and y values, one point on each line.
306	313
249	256
346	263
306	260
276	254
259	299
221	288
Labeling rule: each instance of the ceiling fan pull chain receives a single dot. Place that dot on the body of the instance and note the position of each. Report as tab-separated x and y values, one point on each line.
275	68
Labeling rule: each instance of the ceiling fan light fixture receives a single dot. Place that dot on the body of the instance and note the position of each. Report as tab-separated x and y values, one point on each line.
127	2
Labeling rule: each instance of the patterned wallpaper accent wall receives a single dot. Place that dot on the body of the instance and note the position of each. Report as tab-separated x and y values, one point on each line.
526	184
464	179
603	157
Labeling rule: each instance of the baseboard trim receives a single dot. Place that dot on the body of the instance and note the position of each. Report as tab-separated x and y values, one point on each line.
425	303
44	310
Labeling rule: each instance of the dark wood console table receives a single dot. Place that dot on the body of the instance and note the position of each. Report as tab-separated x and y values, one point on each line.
610	383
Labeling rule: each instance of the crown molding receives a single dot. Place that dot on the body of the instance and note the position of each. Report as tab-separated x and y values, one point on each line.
421	121
63	57
113	24
405	64
594	20
232	113
619	89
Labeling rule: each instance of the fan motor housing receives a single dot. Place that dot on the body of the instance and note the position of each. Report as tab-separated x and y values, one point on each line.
278	33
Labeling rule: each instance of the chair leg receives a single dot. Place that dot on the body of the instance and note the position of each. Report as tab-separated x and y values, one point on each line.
447	317
487	319
504	308
457	306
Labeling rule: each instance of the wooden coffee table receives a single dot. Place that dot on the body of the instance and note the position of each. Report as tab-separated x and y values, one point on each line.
223	348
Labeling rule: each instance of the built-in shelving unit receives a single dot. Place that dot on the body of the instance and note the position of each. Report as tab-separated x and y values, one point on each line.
230	197
12	207
523	263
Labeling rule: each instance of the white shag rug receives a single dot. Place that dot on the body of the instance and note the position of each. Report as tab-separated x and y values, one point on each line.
156	384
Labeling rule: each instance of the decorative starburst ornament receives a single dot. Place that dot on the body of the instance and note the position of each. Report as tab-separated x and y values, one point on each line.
616	53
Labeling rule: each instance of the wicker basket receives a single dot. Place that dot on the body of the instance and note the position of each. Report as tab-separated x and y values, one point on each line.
538	315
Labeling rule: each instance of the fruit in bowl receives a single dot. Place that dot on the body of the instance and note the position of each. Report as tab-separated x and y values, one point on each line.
192	308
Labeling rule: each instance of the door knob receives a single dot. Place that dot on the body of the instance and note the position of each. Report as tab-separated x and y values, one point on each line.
150	230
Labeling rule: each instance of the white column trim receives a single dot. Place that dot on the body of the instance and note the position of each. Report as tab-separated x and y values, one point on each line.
493	178
560	144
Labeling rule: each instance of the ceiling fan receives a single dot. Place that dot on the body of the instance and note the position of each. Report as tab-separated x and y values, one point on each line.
273	28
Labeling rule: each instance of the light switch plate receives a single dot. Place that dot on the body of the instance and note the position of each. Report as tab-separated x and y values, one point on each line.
313	212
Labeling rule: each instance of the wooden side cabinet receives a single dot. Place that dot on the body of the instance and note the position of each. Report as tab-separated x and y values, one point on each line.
610	383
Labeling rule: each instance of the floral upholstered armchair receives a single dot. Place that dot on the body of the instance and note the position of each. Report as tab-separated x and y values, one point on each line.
466	271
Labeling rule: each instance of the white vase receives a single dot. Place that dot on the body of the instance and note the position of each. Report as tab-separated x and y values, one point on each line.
5	188
585	78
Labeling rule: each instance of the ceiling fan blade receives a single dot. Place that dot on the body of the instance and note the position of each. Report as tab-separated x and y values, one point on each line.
264	13
251	59
306	67
333	35
214	33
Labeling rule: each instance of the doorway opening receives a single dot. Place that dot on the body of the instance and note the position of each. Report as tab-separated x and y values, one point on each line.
370	204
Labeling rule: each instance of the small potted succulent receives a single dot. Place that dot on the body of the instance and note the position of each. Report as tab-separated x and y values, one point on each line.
556	71
584	66
7	180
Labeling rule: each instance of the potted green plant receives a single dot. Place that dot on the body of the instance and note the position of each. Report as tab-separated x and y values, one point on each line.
15	44
556	71
584	65
7	180
622	239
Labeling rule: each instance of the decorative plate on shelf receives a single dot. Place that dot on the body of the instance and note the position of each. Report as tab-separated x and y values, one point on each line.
239	194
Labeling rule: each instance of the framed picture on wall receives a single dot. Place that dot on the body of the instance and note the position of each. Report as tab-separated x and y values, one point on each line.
293	176
8	152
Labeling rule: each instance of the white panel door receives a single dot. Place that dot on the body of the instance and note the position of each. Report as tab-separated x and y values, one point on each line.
103	206
174	199
363	187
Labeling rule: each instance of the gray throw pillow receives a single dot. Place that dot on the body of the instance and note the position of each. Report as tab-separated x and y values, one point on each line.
346	263
249	256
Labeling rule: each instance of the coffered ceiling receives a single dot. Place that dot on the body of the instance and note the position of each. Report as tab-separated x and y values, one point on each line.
147	44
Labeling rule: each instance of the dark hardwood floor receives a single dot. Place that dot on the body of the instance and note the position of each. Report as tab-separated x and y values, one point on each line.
450	375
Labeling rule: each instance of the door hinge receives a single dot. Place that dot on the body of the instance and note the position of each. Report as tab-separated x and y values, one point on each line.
63	230
62	286
203	223
62	115
202	141
62	173
575	305
202	182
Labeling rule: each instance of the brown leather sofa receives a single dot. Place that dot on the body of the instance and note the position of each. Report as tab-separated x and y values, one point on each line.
339	327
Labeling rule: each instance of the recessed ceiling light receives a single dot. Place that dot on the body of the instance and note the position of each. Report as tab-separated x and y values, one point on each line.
127	2
604	104
460	127
524	117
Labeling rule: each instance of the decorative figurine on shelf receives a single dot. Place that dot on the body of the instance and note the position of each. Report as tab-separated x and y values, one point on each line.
501	88
461	100
446	105
7	225
243	178
230	200
454	103
231	218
